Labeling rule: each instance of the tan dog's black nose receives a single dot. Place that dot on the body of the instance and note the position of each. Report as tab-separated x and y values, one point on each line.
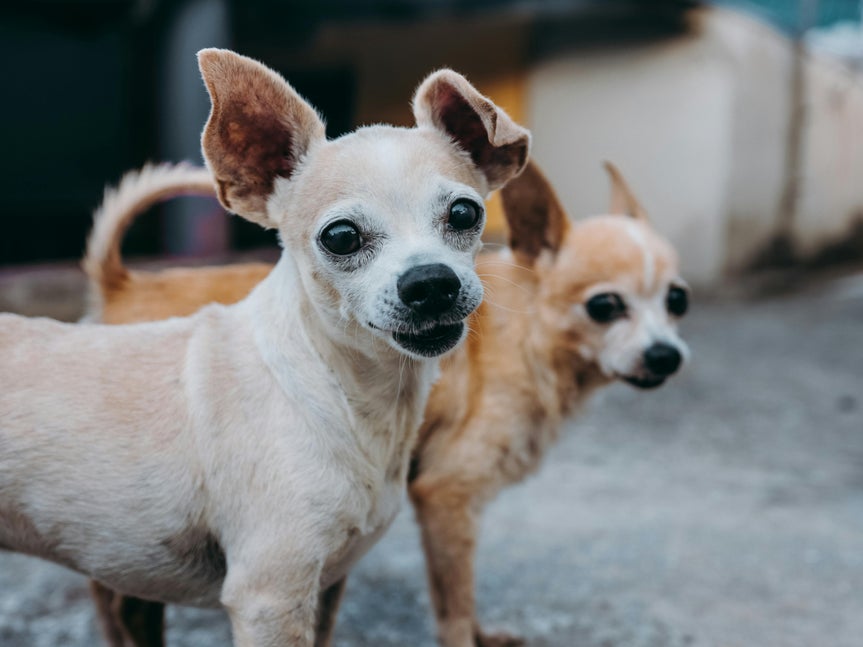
429	290
662	359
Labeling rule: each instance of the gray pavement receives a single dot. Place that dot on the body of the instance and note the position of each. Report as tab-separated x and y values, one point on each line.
724	510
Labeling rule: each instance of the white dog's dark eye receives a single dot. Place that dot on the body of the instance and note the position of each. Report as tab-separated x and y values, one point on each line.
463	214
341	238
677	301
605	307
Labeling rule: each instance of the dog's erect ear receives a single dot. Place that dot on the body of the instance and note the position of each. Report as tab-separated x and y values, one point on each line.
537	220
258	130
497	145
623	200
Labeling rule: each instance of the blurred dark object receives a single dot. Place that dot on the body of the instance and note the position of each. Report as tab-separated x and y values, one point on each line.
71	82
97	87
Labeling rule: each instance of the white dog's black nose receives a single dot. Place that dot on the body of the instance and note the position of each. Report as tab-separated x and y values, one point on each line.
662	359
429	290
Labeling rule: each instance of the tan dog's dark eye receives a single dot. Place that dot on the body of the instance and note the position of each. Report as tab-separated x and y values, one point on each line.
341	238
677	301
463	214
605	307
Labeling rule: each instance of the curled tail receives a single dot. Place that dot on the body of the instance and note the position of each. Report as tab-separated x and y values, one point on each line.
137	192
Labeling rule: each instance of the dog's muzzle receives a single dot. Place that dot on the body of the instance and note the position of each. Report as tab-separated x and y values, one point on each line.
429	290
430	293
660	361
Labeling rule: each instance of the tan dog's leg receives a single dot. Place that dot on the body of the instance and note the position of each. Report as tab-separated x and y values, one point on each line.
449	541
128	621
104	598
447	511
328	607
143	620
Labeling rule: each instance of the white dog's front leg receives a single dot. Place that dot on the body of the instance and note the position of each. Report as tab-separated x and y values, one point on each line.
266	622
276	608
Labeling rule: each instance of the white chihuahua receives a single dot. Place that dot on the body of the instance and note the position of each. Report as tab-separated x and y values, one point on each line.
249	454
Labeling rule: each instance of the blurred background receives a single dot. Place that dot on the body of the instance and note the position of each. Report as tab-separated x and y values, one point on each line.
738	123
724	510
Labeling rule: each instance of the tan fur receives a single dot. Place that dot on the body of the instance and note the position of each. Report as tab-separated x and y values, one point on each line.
154	295
178	292
247	455
498	405
623	200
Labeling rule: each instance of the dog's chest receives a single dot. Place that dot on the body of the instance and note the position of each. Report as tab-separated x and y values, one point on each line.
360	538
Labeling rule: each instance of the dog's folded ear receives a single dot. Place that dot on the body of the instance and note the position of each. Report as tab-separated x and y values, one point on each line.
497	145
259	129
623	200
537	221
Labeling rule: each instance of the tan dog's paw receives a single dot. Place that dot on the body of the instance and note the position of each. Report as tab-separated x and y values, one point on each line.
499	639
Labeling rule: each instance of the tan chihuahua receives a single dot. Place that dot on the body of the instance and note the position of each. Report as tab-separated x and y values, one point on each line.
571	307
249	454
589	302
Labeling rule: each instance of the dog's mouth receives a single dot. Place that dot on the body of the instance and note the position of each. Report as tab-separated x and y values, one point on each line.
645	382
432	341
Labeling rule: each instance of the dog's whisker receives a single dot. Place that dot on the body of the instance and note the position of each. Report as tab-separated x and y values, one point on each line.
402	364
489	244
512	310
491	261
523	288
490	299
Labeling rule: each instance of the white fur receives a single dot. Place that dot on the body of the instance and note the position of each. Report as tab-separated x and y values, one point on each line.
634	229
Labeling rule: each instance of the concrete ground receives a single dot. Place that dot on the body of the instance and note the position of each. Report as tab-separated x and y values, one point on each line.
724	510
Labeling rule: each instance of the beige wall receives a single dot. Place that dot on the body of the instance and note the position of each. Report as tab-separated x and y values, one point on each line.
832	177
699	126
662	114
760	60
